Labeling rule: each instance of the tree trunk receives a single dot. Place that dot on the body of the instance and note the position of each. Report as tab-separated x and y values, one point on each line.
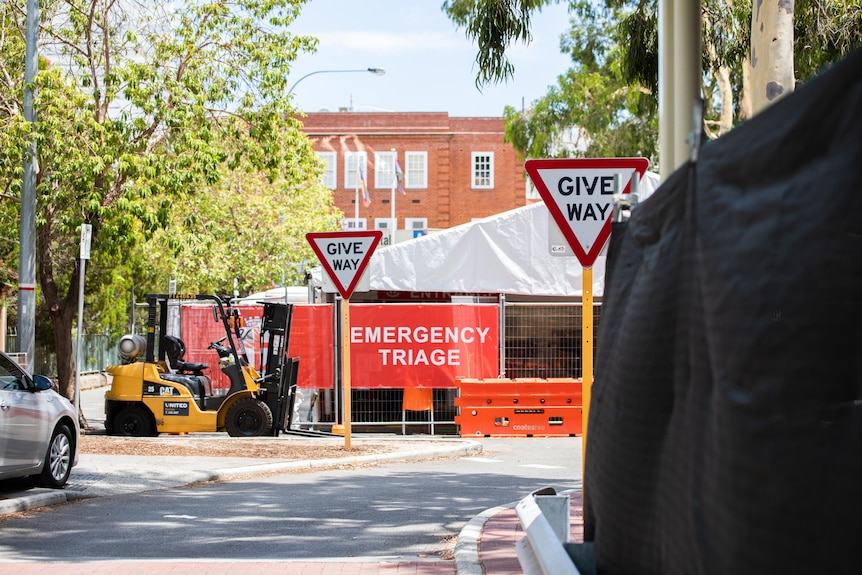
772	74
61	309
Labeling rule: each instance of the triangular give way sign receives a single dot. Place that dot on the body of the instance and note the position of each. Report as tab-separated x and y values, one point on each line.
344	255
579	194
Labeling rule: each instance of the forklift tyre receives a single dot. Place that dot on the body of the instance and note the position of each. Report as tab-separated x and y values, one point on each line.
248	417
132	422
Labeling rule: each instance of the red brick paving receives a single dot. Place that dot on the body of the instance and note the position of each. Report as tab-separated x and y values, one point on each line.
502	531
228	568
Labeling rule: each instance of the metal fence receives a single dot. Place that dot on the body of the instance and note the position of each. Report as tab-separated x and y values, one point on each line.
97	353
539	341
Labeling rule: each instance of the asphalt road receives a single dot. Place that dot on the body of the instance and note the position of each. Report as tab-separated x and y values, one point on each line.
394	509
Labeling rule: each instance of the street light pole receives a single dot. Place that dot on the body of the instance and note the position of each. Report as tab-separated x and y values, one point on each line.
375	71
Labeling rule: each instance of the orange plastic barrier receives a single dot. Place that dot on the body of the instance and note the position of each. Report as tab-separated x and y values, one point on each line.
519	407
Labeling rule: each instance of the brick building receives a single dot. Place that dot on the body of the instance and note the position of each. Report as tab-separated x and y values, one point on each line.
454	169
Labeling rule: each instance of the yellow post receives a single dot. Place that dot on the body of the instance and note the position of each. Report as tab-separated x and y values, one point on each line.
586	358
345	366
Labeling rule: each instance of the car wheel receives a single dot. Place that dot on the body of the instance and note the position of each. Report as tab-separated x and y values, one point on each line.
58	459
132	422
248	417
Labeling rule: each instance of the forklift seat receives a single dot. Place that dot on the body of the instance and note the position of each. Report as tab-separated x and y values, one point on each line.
175	349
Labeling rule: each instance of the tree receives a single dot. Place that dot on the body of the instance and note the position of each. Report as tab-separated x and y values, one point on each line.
823	31
145	103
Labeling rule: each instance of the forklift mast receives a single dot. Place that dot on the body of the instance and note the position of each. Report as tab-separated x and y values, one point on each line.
278	369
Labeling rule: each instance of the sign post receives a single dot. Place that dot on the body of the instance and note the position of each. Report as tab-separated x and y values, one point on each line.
344	256
579	194
86	240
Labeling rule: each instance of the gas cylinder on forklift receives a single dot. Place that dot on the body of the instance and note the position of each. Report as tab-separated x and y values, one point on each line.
155	390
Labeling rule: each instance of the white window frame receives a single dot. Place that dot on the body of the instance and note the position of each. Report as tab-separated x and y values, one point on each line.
416	170
415	223
329	177
352	161
384	170
482	181
353	224
385	224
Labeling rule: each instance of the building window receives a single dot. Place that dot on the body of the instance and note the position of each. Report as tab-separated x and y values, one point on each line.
416	223
483	170
385	224
352	224
354	170
416	170
384	169
330	172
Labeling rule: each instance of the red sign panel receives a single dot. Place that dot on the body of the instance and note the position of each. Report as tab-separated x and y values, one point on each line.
422	345
392	345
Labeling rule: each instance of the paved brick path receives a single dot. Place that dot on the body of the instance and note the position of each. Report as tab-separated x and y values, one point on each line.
363	567
502	531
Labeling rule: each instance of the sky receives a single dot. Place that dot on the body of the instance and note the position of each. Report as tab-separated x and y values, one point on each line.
430	65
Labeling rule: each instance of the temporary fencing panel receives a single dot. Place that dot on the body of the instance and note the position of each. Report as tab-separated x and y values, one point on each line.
519	407
310	339
402	346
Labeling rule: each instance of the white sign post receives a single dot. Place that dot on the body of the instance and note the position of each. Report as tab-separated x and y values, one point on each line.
86	239
344	256
579	194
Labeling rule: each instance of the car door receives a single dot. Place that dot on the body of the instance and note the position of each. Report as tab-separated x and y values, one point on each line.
23	420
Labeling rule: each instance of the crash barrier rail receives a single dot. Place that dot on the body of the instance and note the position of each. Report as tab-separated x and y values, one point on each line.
545	518
519	407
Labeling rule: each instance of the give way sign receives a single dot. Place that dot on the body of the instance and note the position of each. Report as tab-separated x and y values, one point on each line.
344	255
579	194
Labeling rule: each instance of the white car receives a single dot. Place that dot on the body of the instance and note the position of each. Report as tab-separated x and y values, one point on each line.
38	428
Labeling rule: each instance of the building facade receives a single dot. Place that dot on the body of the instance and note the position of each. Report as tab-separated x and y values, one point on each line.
428	170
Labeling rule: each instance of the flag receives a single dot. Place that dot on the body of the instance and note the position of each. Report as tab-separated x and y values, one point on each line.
399	177
366	199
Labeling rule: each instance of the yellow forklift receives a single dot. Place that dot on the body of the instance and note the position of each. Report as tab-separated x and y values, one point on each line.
156	391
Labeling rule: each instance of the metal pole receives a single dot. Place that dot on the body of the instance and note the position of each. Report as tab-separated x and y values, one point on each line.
79	355
665	88
587	359
86	237
392	200
27	231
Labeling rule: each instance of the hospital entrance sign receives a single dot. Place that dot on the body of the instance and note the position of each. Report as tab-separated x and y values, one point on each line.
579	194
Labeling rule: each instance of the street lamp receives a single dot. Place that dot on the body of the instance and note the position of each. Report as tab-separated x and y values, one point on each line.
375	71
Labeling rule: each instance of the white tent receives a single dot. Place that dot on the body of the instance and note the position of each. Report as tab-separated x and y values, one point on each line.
292	294
506	253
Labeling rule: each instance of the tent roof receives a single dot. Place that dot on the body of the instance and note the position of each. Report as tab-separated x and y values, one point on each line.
506	253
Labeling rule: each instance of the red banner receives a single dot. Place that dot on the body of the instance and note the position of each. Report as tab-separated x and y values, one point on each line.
392	345
311	340
416	345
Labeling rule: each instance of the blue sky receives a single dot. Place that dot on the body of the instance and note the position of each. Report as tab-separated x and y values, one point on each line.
430	65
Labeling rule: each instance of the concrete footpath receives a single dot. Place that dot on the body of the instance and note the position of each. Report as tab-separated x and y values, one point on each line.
486	544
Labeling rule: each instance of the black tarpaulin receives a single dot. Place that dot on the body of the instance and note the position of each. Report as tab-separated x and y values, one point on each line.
725	431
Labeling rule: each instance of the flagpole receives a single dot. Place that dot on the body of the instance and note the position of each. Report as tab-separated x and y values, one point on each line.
356	201
392	200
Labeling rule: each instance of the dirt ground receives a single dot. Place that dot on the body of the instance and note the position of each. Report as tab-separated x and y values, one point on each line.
284	447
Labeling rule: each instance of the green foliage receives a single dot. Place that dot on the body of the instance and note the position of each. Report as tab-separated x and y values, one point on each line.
824	31
142	110
609	97
592	111
495	25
